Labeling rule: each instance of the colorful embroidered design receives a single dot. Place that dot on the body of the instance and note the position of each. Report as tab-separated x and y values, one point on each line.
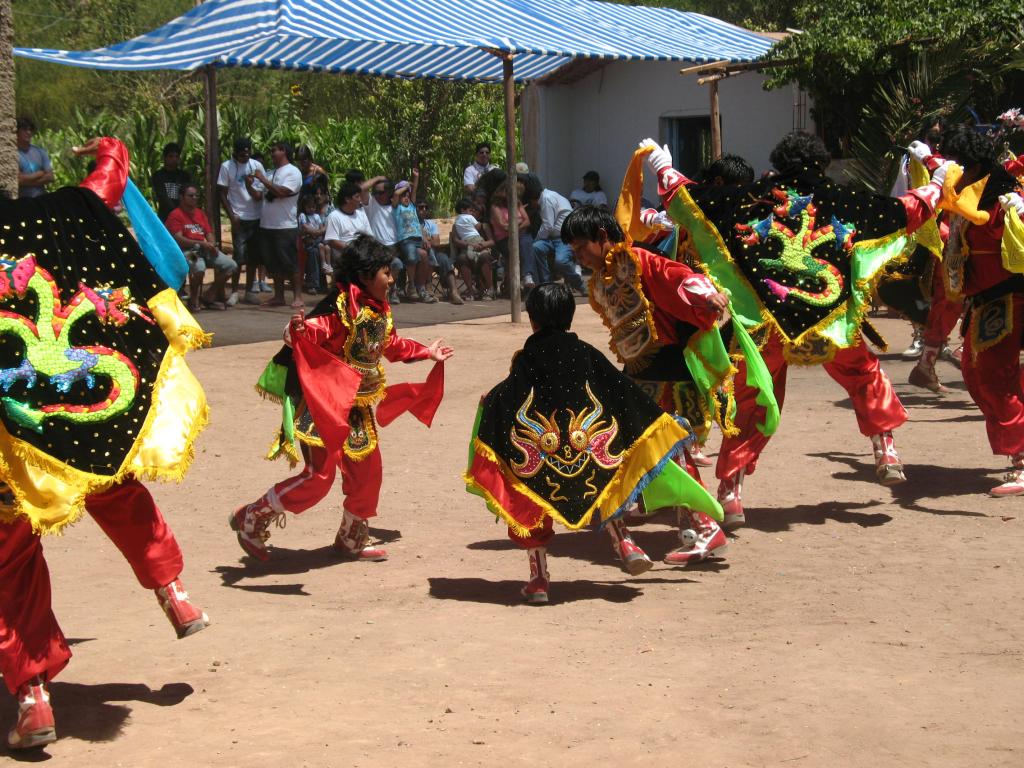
991	323
362	436
49	353
618	297
811	279
541	442
368	335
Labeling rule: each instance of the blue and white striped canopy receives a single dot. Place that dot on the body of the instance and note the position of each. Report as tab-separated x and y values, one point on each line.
446	39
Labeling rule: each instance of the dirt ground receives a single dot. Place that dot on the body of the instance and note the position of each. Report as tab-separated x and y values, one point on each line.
849	625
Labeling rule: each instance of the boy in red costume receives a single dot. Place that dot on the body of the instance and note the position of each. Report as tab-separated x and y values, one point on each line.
115	381
329	378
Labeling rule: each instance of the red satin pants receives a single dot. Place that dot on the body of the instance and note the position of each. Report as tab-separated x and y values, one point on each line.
943	313
360	482
855	369
31	641
994	381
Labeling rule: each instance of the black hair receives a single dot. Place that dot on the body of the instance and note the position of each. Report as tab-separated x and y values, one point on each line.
304	153
389	187
967	147
732	169
25	122
172	148
927	134
482	145
551	307
362	259
355	175
532	187
464	205
347	190
587	221
242	143
187	186
285	146
799	150
306	197
595	177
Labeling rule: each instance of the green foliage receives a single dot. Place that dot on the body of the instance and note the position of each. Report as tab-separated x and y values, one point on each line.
762	15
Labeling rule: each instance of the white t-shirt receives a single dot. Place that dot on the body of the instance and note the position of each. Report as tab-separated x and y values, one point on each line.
282	212
382	221
473	173
232	176
345	227
465	226
597	197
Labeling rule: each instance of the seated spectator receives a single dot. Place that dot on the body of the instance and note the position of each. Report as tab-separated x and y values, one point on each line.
472	252
591	194
191	230
169	181
409	239
34	168
439	260
548	243
347	221
481	164
499	221
318	253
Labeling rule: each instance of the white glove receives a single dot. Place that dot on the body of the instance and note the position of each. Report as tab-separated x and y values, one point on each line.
656	219
939	174
659	157
1014	201
919	151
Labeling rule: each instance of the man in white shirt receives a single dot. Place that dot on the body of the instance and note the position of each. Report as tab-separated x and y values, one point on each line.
548	241
241	197
591	193
378	198
481	164
348	220
279	224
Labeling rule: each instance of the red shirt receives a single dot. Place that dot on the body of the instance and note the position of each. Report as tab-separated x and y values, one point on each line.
985	262
193	226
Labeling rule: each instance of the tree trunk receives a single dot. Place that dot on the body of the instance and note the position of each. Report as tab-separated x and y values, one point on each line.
8	151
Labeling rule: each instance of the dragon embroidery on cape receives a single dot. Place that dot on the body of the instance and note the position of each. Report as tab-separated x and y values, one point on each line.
814	281
541	442
49	353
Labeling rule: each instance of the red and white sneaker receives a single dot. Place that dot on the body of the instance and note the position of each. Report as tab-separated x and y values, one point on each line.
888	466
186	618
252	522
35	726
1012	485
697	454
536	590
700	541
634	560
730	497
353	540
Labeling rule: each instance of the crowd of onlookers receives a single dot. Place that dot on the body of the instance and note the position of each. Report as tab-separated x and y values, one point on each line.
288	229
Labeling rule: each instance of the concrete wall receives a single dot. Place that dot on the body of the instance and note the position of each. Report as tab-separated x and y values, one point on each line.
596	122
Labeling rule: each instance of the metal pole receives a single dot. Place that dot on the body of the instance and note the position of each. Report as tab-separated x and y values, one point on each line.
512	279
212	152
8	152
716	122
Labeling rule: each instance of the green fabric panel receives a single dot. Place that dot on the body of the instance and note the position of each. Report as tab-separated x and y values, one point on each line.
272	380
758	378
673	487
708	346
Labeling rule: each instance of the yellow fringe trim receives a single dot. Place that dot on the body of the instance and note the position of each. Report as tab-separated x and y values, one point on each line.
649	449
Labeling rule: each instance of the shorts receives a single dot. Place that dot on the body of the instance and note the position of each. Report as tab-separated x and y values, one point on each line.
221	263
474	254
279	251
408	249
243	239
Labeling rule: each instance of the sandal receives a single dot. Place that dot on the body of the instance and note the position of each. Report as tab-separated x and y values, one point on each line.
274	303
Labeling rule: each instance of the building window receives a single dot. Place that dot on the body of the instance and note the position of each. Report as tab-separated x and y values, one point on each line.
689	139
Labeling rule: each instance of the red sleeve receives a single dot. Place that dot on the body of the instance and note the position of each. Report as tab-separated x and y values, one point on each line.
664	284
326	331
920	205
111	174
175	223
1014	167
401	350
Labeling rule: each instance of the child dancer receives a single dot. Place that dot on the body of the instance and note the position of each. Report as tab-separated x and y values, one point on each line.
567	437
329	378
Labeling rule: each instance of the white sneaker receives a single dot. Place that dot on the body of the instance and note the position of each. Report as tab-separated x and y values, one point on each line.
265	287
232	299
916	346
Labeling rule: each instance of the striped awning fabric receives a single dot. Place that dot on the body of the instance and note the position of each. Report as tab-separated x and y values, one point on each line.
446	39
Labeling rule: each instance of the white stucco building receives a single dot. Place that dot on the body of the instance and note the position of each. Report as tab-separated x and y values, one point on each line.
591	115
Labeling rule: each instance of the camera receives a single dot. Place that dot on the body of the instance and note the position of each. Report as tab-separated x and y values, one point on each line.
269	196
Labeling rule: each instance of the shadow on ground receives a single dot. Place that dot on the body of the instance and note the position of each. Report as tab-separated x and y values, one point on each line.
87	712
506	592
